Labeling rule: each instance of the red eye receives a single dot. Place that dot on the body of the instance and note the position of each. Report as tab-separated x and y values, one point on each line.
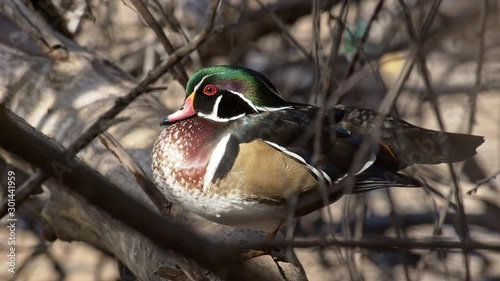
209	90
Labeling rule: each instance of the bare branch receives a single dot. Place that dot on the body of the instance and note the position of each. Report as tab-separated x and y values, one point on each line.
24	191
479	68
97	190
102	124
35	28
181	74
379	244
359	49
464	229
106	119
481	182
156	196
286	32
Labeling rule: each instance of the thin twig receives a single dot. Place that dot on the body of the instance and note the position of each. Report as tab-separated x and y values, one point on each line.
181	74
24	191
316	50
479	68
456	88
326	92
106	119
38	30
315	201
188	267
38	250
147	185
171	20
319	147
329	69
99	126
366	147
362	154
400	231
379	244
481	182
464	229
25	79
100	192
360	47
425	257
285	31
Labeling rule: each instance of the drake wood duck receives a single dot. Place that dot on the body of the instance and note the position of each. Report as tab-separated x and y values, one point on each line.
236	152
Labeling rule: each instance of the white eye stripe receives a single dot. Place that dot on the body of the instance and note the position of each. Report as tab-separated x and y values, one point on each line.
273	90
258	108
213	114
202	79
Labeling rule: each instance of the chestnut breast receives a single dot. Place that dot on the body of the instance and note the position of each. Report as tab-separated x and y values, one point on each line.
186	146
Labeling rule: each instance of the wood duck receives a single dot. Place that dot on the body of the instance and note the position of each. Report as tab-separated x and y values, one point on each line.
236	151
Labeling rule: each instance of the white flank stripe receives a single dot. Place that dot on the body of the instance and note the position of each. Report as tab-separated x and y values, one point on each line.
327	177
265	108
294	155
215	159
341	178
370	162
320	175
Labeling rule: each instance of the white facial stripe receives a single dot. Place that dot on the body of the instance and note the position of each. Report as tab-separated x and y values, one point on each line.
213	114
202	79
258	108
274	91
245	99
216	107
215	159
319	174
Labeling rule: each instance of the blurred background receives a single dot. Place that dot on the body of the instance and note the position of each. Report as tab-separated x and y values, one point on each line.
362	46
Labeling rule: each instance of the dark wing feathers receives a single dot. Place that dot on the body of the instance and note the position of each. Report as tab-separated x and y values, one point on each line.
401	144
421	146
409	144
